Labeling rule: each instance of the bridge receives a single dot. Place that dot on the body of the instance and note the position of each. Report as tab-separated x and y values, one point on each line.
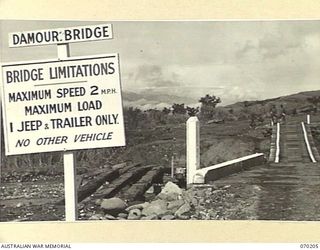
284	187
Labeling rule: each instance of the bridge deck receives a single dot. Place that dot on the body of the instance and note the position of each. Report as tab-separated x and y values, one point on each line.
285	191
289	190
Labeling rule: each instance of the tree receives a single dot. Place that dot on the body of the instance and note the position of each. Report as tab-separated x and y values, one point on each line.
178	109
166	110
210	100
314	100
208	104
132	116
192	111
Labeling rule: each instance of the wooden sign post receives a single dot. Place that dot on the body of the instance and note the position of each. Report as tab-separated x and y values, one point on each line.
70	189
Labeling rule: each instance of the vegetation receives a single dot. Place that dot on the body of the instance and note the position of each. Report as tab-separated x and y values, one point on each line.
208	105
138	121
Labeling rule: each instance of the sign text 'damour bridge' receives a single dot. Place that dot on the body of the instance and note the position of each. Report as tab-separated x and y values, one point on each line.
60	35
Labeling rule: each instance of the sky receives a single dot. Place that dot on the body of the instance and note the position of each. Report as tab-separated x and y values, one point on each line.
176	61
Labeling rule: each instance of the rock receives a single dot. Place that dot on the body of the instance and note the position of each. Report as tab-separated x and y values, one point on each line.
175	205
82	214
137	206
134	214
189	197
213	214
123	215
98	202
168	217
88	214
201	201
150	217
170	188
20	204
109	217
96	217
113	206
208	193
182	210
157	207
200	192
194	202
183	217
198	179
81	207
168	197
150	190
216	191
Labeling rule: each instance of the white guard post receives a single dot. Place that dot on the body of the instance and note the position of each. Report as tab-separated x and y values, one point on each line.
193	148
308	119
277	158
70	190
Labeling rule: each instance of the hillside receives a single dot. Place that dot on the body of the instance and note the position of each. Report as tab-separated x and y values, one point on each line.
30	183
294	100
299	103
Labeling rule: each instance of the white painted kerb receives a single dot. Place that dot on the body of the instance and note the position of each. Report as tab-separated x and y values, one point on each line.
204	171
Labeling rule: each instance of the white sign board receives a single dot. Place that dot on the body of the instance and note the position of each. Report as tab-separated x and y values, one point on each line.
60	35
58	105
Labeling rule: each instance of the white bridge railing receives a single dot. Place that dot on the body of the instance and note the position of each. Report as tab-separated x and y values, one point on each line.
306	140
277	156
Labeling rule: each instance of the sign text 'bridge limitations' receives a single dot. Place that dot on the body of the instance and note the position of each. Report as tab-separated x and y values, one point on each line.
56	105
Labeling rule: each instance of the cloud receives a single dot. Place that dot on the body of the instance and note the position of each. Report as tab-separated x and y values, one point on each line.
249	46
275	45
153	76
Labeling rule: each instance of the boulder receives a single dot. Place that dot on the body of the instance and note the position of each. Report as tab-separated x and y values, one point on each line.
175	205
150	190
157	207
200	192
96	217
168	197
168	217
123	215
138	206
150	217
182	210
98	202
134	214
189	197
183	217
170	192
170	188
109	217
113	206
